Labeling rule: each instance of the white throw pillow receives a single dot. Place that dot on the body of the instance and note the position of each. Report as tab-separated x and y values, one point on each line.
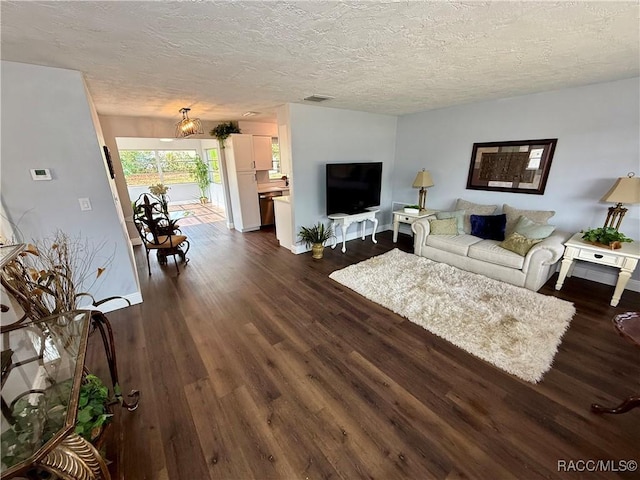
513	214
473	209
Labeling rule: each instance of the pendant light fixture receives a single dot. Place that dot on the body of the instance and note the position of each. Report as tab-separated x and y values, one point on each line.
188	126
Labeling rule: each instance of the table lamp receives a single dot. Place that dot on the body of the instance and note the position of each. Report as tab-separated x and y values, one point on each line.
422	181
625	190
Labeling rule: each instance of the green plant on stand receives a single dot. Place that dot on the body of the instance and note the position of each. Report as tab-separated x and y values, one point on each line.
315	237
606	237
201	176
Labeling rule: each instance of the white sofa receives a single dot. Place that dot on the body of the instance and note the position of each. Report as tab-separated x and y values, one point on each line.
486	257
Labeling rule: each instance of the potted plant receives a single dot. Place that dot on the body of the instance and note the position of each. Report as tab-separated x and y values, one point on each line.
607	237
315	237
201	176
223	130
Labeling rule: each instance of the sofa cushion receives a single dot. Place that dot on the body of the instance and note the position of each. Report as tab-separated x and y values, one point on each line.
447	226
519	244
490	251
530	229
513	214
457	214
488	227
458	244
473	209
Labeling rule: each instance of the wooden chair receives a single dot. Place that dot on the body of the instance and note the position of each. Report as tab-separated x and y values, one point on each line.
158	232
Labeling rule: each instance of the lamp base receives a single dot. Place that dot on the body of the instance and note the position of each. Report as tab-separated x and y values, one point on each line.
615	216
422	198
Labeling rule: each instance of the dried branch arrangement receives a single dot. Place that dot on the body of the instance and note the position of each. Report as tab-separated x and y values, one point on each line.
46	278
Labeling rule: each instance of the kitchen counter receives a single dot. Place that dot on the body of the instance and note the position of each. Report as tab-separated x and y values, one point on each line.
268	189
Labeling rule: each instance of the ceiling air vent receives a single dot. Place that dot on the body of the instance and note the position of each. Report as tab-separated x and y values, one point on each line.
318	98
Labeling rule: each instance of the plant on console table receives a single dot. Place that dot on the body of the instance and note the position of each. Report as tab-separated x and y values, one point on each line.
315	237
607	237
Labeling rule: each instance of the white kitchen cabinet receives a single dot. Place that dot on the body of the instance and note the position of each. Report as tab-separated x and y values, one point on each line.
262	152
239	152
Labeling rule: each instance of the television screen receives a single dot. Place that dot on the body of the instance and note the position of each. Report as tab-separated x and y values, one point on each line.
353	187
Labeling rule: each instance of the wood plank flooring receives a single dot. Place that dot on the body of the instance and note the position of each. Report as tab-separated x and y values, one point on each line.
253	364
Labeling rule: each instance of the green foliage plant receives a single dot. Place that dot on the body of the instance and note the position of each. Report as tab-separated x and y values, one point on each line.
201	176
92	408
318	234
223	130
605	235
36	422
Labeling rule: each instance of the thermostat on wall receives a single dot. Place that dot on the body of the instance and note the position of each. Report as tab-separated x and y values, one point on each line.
41	174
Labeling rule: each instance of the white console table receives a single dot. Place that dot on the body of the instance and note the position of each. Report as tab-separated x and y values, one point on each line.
345	220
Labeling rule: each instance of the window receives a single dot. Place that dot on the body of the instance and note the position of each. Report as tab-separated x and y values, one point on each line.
147	167
276	171
214	165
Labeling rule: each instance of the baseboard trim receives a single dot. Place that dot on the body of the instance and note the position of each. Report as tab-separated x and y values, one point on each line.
117	304
606	278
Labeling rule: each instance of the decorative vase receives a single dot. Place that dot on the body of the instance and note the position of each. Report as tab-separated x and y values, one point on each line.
317	250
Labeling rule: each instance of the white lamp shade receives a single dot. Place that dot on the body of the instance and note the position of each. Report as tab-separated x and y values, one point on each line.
625	190
423	179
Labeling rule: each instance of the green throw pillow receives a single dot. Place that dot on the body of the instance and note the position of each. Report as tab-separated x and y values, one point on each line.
447	226
519	243
531	229
458	215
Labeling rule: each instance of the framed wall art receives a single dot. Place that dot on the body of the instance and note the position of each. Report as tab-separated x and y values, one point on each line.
518	167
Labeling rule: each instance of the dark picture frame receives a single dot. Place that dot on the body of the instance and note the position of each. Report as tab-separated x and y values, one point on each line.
107	155
514	166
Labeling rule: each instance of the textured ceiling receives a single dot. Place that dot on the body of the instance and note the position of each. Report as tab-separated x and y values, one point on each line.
226	58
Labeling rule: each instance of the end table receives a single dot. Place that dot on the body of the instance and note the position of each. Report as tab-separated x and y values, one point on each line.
400	216
625	258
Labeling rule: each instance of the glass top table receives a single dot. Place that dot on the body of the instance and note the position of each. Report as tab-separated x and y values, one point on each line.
42	369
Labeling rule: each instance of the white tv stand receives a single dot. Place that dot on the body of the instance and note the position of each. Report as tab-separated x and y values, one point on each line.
345	220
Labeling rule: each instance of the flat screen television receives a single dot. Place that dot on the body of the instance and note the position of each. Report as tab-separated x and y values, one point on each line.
353	187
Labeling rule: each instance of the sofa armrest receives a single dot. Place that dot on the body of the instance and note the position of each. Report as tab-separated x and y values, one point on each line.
548	251
420	229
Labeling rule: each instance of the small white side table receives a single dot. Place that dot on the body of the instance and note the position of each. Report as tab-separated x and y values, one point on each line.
625	258
345	220
400	216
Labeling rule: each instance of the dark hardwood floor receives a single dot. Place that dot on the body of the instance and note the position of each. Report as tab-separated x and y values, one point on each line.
253	364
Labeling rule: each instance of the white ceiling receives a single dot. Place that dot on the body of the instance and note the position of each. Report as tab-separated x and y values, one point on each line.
226	58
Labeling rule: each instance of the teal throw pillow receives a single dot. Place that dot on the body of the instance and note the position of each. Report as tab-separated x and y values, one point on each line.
530	229
457	214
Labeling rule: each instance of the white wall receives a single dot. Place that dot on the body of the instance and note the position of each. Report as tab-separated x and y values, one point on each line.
597	128
47	123
320	135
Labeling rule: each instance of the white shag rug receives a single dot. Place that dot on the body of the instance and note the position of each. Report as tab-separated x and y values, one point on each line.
513	328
